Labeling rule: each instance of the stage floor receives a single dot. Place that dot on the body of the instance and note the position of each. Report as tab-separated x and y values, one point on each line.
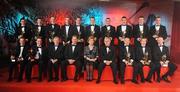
83	86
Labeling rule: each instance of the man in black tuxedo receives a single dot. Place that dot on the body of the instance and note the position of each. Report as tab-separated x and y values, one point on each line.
127	57
124	30
73	55
67	31
108	30
56	56
141	30
156	31
52	30
19	57
24	30
79	30
94	30
36	55
107	58
39	30
143	58
162	59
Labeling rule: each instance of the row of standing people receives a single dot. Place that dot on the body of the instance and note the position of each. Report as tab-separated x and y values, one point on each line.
66	31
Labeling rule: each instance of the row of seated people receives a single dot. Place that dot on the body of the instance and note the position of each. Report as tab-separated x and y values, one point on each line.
68	30
61	55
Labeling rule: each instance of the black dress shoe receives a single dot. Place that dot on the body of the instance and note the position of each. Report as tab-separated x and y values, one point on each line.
98	81
115	82
122	82
56	79
28	81
49	80
158	80
166	79
62	80
39	80
135	81
19	80
10	79
142	81
148	80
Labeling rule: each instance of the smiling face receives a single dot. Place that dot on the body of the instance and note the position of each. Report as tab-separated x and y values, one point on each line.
52	20
124	21
23	22
126	41
107	41
56	41
39	42
143	42
108	21
92	20
78	21
158	21
160	40
141	21
74	40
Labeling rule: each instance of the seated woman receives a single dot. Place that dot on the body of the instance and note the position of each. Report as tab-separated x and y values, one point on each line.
91	56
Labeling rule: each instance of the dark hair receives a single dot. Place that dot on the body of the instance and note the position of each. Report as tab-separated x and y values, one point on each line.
123	17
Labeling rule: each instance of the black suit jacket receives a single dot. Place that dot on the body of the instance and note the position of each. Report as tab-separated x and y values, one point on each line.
42	33
157	54
77	55
24	53
139	53
107	56
104	31
162	31
70	33
56	30
123	52
96	29
44	52
137	32
82	31
58	54
128	34
26	35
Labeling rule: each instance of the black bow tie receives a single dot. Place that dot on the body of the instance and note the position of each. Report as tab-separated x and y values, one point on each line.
39	47
73	44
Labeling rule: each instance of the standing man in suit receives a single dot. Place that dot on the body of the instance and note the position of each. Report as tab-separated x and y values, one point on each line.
143	57
38	30
162	59
79	30
127	58
123	30
108	30
53	29
107	59
73	55
67	31
93	30
141	30
24	31
156	31
36	55
56	56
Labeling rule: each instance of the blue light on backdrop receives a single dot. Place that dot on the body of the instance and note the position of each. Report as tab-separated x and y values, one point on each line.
96	12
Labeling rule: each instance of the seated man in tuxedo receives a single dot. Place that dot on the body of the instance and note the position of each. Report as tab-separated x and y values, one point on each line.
19	57
107	58
108	30
143	57
56	56
73	55
162	59
36	55
127	58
